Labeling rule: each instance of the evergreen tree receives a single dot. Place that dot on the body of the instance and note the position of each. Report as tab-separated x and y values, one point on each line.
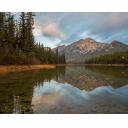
29	44
11	32
113	58
17	35
2	32
17	45
22	27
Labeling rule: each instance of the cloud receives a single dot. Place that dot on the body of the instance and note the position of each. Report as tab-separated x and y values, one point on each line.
52	30
116	20
65	28
111	22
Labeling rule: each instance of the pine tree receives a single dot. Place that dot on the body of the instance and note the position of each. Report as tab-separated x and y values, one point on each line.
29	44
11	32
112	58
22	27
17	35
17	45
2	34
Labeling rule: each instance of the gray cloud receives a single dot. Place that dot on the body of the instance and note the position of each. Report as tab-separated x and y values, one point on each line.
52	30
68	27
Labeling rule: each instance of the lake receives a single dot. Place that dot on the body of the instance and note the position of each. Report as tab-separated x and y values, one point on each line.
65	89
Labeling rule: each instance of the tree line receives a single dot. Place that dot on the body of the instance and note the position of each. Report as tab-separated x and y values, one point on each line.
17	44
112	58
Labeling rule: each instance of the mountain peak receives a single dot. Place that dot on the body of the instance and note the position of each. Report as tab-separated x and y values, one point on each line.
89	39
88	47
115	42
85	41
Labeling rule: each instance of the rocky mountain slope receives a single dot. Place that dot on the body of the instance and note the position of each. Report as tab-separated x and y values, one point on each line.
83	49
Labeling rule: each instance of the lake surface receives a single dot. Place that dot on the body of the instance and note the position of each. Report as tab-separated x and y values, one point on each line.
70	89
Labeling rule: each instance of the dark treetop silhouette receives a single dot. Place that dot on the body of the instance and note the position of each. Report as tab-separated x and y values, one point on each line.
17	45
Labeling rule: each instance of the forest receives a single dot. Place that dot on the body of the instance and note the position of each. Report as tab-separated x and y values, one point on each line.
112	58
17	44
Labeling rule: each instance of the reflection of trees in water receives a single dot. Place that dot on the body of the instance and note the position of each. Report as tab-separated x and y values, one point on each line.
16	89
110	71
115	76
91	77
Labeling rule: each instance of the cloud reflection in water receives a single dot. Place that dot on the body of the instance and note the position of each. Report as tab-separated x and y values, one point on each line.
54	97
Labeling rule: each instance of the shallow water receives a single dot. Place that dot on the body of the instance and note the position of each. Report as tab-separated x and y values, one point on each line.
70	89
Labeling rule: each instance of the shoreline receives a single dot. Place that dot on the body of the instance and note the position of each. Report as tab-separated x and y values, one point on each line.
123	65
17	68
115	65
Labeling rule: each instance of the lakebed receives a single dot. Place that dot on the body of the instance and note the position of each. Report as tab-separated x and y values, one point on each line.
65	89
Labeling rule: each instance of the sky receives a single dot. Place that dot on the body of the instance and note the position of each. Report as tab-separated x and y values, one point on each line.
62	28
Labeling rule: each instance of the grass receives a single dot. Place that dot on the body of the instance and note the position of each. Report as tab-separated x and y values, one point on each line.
15	68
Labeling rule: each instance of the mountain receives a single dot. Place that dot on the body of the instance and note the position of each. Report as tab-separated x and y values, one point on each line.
83	49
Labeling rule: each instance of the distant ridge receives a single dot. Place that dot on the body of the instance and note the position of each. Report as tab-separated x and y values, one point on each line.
79	51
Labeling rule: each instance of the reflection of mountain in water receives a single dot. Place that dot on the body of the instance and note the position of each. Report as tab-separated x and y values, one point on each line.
56	97
16	89
91	77
60	90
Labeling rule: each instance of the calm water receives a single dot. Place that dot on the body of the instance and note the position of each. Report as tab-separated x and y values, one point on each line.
70	89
